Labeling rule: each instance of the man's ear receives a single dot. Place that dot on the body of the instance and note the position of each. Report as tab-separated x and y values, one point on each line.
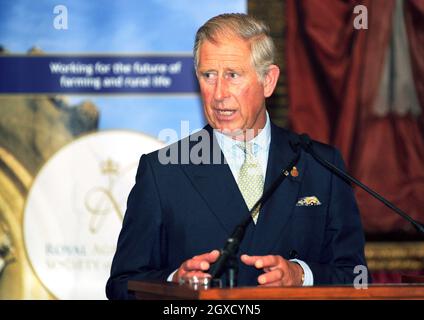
270	80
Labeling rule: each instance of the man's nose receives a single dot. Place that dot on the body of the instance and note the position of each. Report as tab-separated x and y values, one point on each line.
221	89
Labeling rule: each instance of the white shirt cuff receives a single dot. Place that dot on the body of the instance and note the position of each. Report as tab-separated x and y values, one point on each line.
171	276
309	277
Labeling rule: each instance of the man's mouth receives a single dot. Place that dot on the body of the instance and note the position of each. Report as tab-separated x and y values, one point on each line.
225	112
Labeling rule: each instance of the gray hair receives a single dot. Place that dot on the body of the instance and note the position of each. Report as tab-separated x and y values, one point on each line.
245	27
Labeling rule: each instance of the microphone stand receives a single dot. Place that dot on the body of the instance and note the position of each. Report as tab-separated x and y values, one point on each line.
227	260
306	144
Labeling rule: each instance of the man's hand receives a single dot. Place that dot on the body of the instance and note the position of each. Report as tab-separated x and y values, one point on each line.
278	271
196	266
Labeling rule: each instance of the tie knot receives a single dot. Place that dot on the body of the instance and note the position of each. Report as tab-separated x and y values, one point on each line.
247	148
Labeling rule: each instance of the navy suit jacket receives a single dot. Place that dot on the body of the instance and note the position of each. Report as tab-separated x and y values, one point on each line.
177	211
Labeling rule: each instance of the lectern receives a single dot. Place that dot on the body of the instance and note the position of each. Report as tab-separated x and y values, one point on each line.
172	291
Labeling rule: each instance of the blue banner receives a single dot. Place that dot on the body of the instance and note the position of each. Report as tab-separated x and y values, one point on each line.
54	74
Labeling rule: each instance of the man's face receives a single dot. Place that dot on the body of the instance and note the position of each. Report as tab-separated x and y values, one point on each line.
233	95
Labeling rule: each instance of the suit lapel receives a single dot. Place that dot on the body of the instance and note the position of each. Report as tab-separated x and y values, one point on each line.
276	213
216	185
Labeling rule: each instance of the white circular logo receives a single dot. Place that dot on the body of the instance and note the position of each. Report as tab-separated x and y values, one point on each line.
75	208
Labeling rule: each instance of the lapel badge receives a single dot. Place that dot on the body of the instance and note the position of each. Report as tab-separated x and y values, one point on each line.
294	172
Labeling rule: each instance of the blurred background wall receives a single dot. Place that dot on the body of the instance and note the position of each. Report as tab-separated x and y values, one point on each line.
353	77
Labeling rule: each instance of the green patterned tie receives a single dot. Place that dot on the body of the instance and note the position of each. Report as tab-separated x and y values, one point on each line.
250	181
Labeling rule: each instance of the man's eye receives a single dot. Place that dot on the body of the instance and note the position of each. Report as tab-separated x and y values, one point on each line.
233	75
208	75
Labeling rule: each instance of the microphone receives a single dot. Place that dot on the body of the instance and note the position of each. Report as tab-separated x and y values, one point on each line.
227	259
307	144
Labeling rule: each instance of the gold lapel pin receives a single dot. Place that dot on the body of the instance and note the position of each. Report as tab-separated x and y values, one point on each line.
294	172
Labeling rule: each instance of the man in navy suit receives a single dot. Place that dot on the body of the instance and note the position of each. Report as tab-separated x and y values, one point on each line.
189	197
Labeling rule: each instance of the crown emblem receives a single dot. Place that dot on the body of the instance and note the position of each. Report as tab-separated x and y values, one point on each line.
109	167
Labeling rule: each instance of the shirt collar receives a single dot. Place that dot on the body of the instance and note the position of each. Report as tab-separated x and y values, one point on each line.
260	142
